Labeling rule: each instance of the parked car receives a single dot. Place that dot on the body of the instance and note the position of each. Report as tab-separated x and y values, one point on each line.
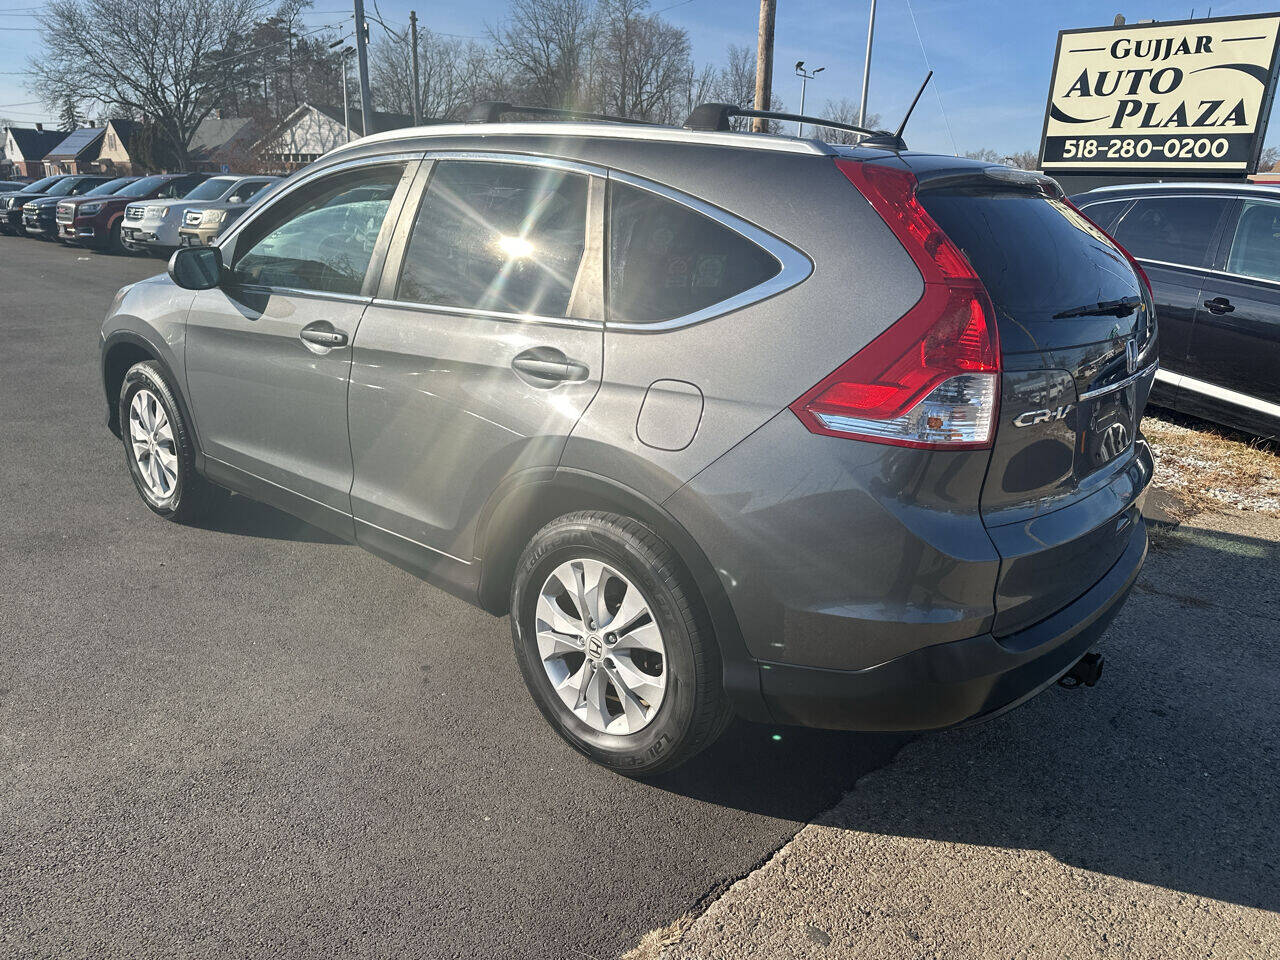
202	225
11	203
39	216
861	450
74	185
9	185
1212	251
154	225
97	222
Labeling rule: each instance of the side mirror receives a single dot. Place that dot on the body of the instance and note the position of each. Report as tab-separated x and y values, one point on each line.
196	268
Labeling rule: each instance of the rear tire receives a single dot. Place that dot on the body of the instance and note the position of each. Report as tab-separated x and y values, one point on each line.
158	446
635	684
114	243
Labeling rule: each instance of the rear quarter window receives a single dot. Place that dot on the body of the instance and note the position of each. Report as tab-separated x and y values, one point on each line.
667	260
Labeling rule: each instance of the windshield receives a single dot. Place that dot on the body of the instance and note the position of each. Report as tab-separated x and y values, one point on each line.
63	188
211	189
111	186
142	187
40	186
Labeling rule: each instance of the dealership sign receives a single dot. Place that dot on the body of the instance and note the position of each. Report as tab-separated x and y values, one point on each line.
1187	95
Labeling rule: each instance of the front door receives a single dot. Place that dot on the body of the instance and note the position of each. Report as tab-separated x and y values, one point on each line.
268	352
483	350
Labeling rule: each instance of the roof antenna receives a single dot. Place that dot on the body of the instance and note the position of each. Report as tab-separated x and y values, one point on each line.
894	141
903	125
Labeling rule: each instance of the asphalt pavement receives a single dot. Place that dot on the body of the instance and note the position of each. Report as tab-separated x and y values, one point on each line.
250	739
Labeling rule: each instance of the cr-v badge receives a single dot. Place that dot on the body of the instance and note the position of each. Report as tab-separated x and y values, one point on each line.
1042	416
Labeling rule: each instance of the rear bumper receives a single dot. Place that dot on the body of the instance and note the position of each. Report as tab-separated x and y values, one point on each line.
950	683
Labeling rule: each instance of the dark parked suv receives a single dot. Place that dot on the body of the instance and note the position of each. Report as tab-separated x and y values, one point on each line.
97	222
1212	251
828	435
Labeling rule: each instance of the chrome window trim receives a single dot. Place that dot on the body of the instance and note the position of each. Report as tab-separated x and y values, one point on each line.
1224	394
794	266
491	156
298	292
1119	384
413	305
261	206
1215	272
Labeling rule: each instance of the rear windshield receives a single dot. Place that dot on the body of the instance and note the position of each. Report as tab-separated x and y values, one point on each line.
41	185
1037	257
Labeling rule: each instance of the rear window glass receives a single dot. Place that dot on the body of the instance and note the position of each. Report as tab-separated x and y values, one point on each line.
1172	229
1255	247
502	237
666	260
1036	256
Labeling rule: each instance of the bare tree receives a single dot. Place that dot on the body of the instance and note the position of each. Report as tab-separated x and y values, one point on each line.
452	75
1023	160
542	49
639	63
986	153
159	58
844	110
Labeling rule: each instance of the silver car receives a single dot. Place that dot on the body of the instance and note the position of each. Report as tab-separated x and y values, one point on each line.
726	423
154	224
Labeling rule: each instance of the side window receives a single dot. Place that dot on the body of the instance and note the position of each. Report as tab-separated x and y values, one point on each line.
1255	248
1104	214
504	237
84	186
320	236
666	260
1173	229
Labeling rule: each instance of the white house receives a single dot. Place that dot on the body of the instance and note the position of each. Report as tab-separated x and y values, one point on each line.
312	131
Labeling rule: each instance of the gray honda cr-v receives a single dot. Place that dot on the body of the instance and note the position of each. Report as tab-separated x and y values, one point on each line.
727	422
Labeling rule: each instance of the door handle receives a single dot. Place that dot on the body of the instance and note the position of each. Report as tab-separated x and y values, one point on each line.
549	365
323	336
1219	305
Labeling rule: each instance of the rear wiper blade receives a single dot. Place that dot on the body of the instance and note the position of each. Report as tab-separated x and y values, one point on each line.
1103	308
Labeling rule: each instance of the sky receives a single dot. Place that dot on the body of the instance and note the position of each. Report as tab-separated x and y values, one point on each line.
991	59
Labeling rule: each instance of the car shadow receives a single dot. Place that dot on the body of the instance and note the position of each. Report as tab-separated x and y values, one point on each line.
234	514
1166	773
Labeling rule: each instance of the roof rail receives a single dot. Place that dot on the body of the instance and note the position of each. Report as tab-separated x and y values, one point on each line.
492	111
716	116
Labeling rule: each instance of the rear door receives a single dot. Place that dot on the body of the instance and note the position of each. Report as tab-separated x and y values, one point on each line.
481	352
1078	345
1235	347
268	351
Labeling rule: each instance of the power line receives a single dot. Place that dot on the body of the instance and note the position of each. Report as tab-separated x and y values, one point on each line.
937	85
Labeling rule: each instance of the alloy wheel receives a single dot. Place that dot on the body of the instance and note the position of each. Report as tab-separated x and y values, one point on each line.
152	444
601	646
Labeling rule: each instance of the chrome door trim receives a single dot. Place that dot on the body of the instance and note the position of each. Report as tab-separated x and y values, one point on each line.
416	543
529	159
1219	393
1119	384
794	266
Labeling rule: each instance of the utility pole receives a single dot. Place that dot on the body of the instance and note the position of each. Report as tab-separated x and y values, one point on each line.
866	66
362	64
413	35
346	110
805	76
764	62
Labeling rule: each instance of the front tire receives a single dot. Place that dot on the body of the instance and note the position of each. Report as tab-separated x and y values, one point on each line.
158	446
615	644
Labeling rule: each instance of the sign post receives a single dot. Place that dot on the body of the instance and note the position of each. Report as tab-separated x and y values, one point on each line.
1185	96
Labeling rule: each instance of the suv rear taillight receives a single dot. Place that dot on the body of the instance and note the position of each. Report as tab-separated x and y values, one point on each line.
932	379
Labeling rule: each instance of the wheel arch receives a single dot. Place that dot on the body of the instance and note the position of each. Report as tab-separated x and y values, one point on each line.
533	499
120	351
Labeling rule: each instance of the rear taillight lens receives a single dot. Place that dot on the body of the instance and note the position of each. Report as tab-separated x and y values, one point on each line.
932	379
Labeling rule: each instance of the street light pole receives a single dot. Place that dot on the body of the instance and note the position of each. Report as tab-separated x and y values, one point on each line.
805	76
413	38
362	64
866	66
